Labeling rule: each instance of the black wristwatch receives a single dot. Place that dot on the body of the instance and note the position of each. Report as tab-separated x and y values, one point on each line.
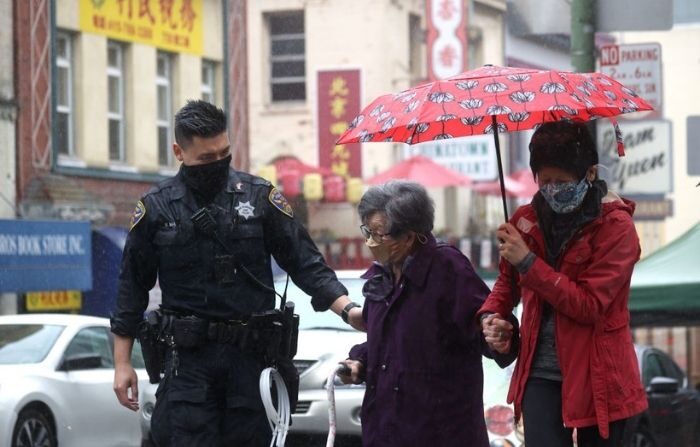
346	310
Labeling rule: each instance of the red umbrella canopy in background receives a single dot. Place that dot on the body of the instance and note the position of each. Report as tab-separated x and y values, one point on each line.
422	170
290	163
520	184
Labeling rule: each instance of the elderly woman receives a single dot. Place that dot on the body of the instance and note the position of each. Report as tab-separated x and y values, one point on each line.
422	358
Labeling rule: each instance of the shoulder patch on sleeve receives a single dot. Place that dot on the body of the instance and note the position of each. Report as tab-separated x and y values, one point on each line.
138	214
278	201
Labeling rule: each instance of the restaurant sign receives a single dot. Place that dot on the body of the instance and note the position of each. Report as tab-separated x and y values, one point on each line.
646	167
172	25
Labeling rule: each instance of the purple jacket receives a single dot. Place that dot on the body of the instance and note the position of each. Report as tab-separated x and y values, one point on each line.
423	353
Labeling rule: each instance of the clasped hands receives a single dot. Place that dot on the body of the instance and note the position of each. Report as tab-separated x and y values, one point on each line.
498	333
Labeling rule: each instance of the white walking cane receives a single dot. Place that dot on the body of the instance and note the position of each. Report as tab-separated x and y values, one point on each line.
330	385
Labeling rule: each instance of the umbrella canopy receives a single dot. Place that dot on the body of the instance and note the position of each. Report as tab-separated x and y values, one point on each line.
519	184
519	98
492	99
665	289
422	170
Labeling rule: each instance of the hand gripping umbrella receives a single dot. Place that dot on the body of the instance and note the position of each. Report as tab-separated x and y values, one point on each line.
490	100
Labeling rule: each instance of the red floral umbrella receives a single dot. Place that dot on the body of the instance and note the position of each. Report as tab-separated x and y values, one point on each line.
424	171
492	99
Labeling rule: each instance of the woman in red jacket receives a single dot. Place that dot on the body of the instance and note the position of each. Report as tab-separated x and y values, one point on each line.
572	251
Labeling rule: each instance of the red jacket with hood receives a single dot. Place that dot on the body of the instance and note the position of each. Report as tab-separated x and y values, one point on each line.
589	292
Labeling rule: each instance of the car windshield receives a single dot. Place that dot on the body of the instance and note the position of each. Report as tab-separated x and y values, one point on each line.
26	343
308	317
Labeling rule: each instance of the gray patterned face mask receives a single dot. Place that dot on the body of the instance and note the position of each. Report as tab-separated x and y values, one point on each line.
565	197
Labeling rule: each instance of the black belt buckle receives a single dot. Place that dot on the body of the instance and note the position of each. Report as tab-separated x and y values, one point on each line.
190	332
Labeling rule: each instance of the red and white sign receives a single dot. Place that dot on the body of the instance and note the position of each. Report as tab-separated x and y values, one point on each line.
447	40
637	66
338	104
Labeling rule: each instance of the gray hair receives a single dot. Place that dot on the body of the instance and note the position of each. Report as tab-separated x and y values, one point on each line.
406	206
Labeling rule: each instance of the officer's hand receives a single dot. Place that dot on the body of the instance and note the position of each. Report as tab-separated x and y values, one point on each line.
498	333
355	372
126	386
355	319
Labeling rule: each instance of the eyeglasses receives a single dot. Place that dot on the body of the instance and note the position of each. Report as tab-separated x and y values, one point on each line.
376	237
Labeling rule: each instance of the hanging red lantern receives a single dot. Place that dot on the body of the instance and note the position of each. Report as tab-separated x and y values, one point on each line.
290	183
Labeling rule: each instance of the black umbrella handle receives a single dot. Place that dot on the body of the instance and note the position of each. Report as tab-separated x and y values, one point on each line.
513	284
500	166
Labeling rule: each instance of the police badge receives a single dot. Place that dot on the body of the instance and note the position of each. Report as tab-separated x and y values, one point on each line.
245	209
277	199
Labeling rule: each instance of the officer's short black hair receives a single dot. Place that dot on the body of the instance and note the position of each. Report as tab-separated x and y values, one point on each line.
198	118
565	145
405	204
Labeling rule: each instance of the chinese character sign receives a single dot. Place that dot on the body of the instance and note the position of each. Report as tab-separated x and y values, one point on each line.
173	25
338	104
447	41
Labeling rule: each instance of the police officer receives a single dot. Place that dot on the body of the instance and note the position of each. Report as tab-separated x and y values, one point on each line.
207	235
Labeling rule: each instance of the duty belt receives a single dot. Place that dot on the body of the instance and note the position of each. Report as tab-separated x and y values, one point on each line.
234	332
190	332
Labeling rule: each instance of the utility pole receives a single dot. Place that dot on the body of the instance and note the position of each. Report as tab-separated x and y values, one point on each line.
583	26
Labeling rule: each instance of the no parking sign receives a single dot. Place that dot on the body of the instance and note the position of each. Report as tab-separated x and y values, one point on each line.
638	66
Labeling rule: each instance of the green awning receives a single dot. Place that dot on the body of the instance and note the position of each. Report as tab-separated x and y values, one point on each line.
666	284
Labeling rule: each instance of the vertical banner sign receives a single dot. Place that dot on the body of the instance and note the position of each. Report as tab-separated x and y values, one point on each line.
447	39
338	104
172	25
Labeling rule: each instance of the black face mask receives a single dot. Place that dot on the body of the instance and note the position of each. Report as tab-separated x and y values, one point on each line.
208	179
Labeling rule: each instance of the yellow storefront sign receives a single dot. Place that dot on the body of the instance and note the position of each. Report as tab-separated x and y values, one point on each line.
54	300
172	25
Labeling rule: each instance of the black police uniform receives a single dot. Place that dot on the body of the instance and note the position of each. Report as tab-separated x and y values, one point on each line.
211	396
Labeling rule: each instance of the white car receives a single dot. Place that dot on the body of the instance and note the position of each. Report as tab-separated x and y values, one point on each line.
56	376
324	340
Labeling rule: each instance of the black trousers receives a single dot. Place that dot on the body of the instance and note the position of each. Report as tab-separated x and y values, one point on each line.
214	400
544	425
